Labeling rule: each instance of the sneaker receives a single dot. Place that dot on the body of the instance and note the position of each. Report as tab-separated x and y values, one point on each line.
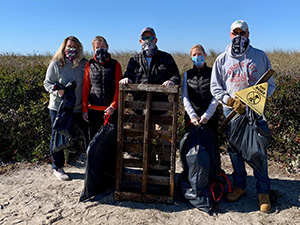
235	194
264	203
60	174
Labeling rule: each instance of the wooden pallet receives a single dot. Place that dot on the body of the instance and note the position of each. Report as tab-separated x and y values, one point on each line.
146	156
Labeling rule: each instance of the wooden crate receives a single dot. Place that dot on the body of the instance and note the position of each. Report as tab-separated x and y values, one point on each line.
146	155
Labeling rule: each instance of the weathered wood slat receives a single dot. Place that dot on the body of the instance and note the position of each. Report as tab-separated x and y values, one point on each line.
144	164
129	196
163	106
159	180
158	134
149	88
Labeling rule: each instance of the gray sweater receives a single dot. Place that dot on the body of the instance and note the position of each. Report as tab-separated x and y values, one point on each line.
64	75
232	73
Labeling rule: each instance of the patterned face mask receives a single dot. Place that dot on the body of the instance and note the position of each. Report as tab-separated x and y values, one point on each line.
101	54
198	60
148	46
70	53
239	44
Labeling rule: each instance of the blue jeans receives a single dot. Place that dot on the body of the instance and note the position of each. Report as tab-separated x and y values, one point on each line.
239	171
58	158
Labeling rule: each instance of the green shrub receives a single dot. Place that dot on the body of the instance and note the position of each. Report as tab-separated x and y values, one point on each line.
25	122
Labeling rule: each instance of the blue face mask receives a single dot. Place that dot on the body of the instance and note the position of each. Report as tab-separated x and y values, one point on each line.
198	60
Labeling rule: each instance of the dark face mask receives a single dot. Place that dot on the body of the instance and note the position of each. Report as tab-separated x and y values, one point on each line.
149	47
101	54
239	44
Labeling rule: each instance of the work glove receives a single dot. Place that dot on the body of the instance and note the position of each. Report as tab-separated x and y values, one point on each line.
125	81
168	83
109	110
237	105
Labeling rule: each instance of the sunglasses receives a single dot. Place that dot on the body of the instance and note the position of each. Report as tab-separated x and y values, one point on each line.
148	38
240	33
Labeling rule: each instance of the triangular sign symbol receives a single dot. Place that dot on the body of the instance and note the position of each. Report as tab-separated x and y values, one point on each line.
255	97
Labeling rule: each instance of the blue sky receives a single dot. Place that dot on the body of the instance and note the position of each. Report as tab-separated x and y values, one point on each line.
39	26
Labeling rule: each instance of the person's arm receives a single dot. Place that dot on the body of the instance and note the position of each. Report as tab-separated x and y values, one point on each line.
217	84
86	87
129	73
211	109
185	99
51	78
173	72
118	76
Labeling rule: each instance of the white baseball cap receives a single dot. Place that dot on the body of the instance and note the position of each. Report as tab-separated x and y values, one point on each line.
239	24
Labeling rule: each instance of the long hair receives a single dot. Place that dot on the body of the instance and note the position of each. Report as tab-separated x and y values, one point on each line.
60	53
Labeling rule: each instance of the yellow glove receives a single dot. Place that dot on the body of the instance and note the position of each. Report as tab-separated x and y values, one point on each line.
237	105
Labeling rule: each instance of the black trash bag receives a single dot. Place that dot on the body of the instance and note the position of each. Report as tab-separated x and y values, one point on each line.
62	124
248	135
201	167
101	162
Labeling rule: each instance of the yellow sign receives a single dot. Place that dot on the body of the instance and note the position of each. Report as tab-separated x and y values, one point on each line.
255	97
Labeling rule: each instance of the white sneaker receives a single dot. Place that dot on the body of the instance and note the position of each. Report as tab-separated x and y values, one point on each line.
60	174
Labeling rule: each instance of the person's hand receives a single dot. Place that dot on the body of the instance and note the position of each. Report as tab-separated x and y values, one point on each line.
237	105
60	93
195	121
85	116
125	81
109	110
203	120
168	83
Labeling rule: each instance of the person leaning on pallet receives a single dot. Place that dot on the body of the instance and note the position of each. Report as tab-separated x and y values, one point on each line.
239	67
151	66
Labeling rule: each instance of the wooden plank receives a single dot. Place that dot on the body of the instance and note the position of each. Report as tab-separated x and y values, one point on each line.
159	180
120	138
158	134
137	197
149	88
173	145
160	106
146	142
162	120
132	147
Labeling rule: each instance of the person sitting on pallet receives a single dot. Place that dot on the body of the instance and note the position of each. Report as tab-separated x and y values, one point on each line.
151	66
239	67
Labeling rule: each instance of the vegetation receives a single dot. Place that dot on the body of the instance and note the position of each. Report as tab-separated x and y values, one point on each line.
25	123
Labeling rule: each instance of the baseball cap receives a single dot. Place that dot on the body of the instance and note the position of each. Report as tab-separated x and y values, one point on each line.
149	29
239	24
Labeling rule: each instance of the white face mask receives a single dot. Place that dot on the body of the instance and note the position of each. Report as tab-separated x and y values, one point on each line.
148	46
239	44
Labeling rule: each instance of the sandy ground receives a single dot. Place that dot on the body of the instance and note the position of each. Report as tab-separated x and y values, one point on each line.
30	194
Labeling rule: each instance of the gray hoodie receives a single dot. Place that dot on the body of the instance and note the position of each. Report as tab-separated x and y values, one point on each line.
64	75
232	73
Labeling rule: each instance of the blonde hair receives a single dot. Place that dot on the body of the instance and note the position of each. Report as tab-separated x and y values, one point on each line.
197	46
101	39
60	53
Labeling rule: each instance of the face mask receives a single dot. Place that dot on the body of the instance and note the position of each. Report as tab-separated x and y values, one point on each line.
101	54
198	60
239	44
148	46
70	53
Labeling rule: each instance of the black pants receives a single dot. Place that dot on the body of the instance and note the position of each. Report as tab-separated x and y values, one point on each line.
96	120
